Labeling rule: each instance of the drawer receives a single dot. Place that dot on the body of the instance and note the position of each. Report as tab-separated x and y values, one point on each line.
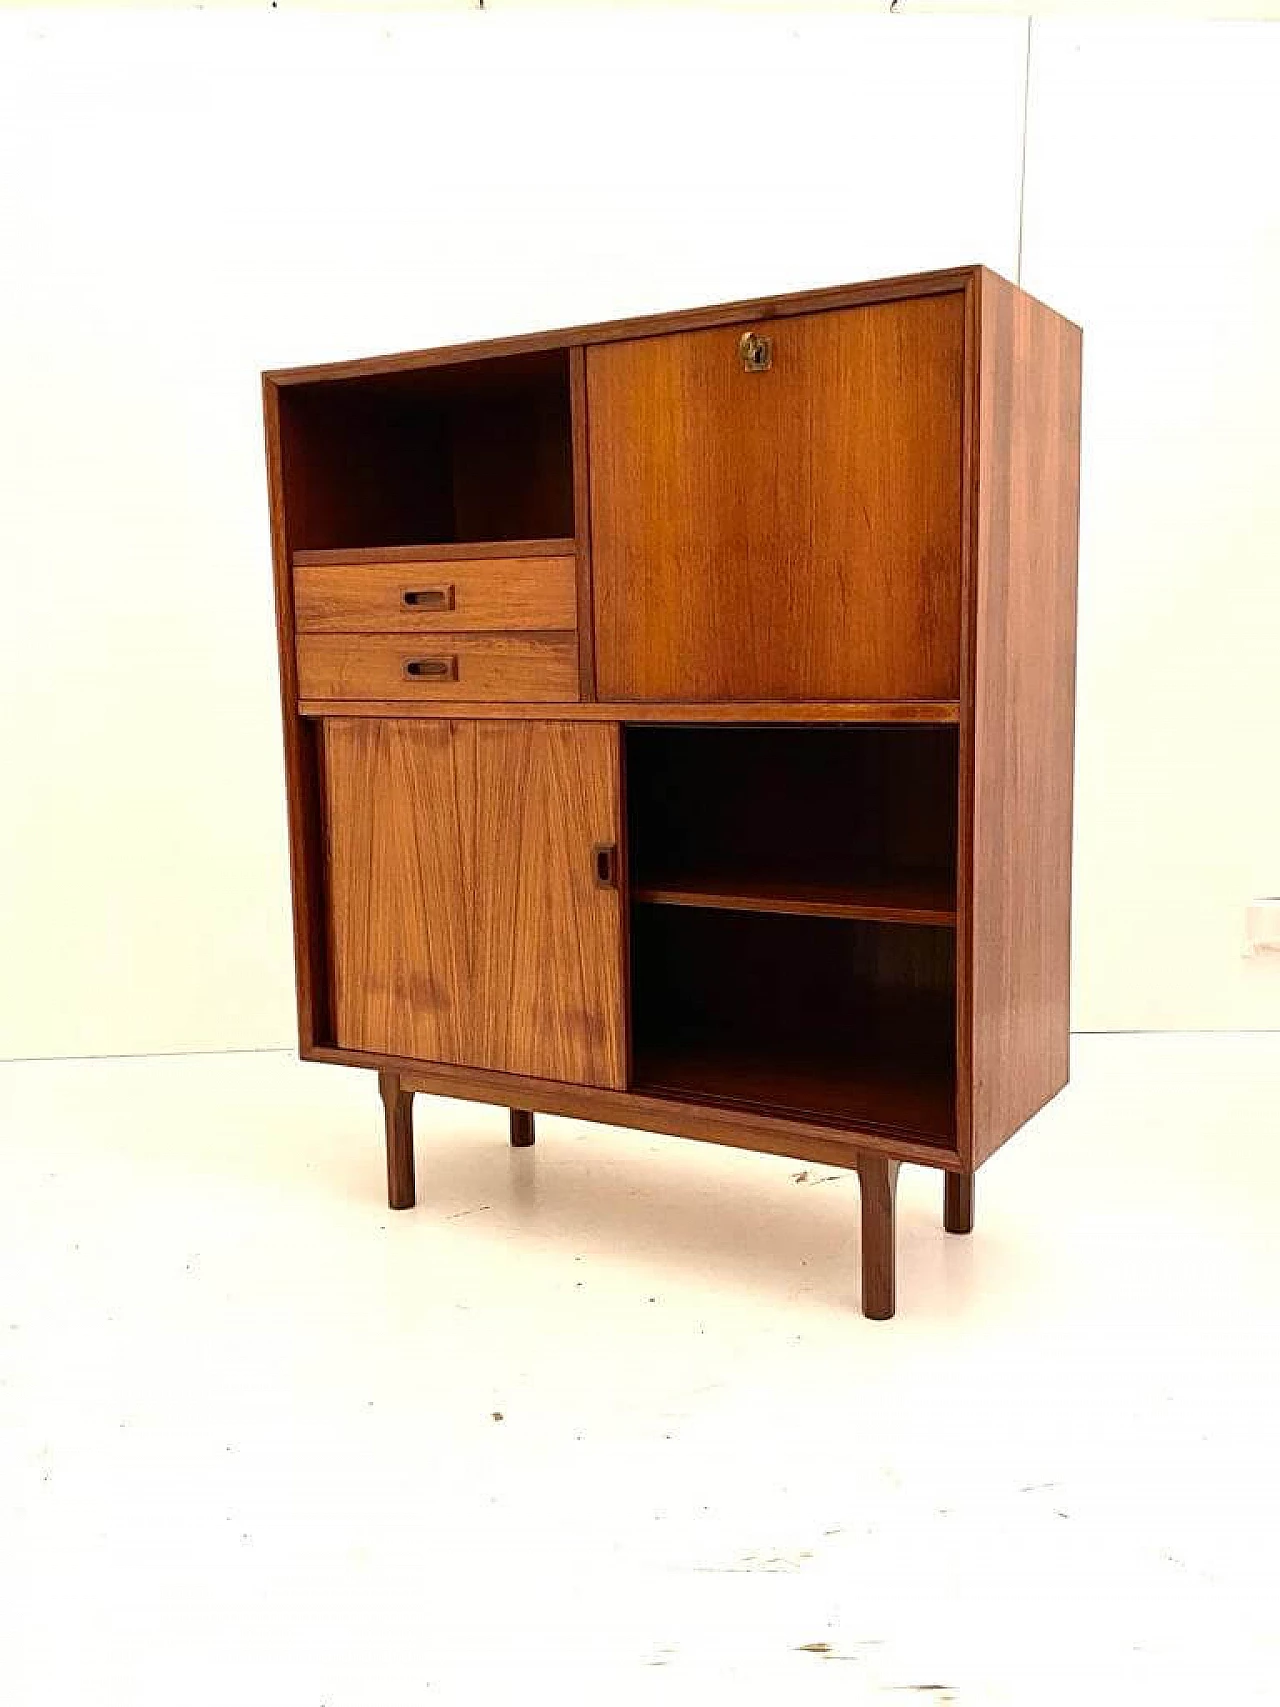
438	666
453	596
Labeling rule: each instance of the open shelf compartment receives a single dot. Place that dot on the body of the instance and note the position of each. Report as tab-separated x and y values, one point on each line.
793	907
839	1021
450	455
845	822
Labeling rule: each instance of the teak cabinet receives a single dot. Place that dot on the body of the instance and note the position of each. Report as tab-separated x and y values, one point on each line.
678	724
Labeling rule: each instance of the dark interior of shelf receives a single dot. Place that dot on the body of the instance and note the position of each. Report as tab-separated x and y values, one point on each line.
913	899
479	450
849	821
843	1022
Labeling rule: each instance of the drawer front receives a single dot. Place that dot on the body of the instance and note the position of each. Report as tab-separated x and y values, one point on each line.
462	596
438	666
776	508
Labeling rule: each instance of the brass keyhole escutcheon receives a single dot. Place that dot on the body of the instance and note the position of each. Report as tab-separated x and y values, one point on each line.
756	352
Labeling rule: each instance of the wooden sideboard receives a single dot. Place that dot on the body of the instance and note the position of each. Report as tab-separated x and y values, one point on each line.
678	723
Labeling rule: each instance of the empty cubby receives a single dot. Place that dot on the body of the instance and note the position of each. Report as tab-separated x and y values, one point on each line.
473	452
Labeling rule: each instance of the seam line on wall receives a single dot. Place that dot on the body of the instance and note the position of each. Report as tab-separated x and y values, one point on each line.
1022	174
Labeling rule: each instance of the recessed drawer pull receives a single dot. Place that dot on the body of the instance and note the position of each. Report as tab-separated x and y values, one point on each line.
427	598
604	860
432	669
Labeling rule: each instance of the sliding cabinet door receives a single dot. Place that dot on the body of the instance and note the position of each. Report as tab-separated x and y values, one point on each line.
474	916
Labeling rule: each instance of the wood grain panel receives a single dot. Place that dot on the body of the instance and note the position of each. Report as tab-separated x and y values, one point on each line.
904	711
547	990
528	667
907	901
303	787
466	926
472	551
425	597
792	534
400	858
1023	708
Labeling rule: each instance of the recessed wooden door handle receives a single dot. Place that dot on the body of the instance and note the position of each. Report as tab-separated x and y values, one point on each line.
432	669
604	859
427	598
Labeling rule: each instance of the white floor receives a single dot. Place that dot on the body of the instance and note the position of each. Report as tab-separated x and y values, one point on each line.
602	1417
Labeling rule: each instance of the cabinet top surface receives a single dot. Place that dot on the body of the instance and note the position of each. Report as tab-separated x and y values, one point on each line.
652	325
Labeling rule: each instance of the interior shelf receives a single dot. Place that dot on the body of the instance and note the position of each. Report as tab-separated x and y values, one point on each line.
452	553
821	1084
916	899
793	917
837	822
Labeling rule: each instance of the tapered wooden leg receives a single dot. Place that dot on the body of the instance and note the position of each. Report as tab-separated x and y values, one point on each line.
521	1127
398	1106
878	1181
957	1203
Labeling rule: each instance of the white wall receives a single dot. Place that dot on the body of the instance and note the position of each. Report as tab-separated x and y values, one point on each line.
186	199
1153	217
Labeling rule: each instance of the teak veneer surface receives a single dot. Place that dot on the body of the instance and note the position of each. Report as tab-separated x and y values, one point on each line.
771	535
889	900
1021	738
488	666
475	550
467	923
820	1084
922	711
463	596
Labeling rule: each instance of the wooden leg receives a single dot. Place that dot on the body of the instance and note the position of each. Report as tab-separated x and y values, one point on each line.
957	1206
521	1127
398	1106
878	1181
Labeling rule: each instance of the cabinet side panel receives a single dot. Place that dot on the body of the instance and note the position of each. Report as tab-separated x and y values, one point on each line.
1024	704
302	757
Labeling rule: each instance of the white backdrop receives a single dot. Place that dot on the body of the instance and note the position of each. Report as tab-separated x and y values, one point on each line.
1152	216
188	198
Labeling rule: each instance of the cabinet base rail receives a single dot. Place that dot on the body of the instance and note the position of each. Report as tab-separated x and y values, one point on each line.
877	1183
